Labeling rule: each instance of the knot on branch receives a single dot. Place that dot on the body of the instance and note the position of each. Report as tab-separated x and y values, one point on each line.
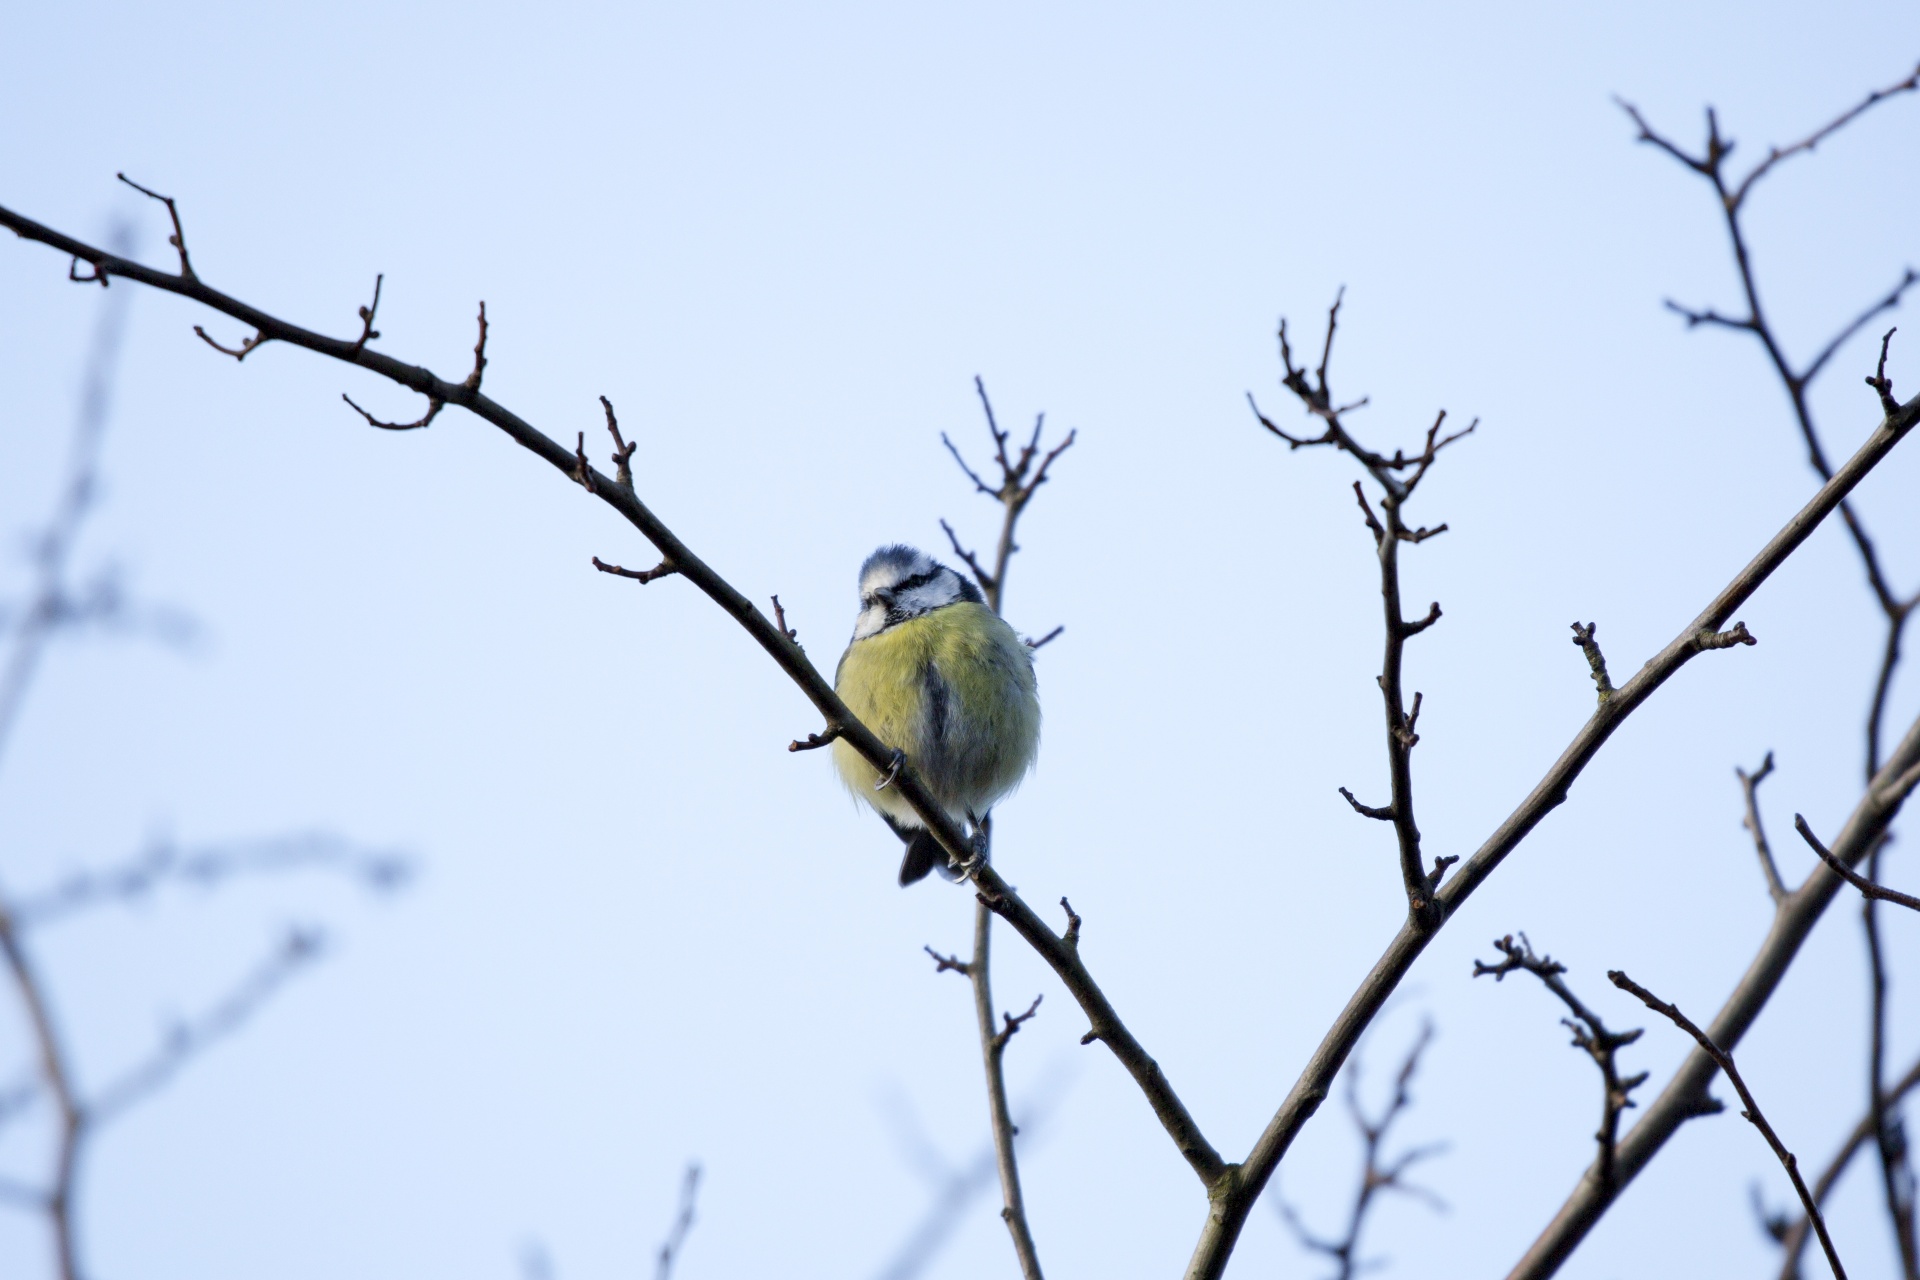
99	273
1583	636
1705	640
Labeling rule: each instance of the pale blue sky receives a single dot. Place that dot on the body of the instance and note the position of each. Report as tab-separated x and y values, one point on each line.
783	241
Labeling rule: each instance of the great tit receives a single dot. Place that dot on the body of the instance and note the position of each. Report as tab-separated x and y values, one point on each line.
942	679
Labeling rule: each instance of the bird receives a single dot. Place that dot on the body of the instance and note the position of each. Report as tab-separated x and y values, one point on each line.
946	683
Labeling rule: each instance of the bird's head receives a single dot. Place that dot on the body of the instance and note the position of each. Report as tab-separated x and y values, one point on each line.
899	582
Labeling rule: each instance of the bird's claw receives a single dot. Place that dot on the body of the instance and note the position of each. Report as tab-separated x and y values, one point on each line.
893	770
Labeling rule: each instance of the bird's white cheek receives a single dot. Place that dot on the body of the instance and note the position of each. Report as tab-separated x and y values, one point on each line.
870	621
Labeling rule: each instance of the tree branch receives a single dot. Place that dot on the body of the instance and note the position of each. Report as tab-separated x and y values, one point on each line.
1724	1061
56	1073
1229	1204
1590	1035
186	1040
1316	397
1683	1094
1750	792
1874	892
682	1224
1375	1176
1793	1236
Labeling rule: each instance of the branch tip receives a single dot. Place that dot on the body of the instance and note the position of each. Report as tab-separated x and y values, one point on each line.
1583	636
665	569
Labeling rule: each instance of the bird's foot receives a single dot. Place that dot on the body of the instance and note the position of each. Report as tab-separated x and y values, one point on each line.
977	858
893	770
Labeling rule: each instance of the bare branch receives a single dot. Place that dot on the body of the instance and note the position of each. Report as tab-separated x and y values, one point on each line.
434	404
945	964
1683	1094
56	1075
1014	1024
246	348
1793	1236
1583	636
208	866
1877	892
1232	1197
1752	1112
1590	1035
1891	300
682	1224
1046	639
622	451
1680	1100
367	332
185	1041
986	580
179	238
780	621
1379	814
1776	154
1389	531
1883	385
1750	792
814	741
1376	1174
1709	639
665	569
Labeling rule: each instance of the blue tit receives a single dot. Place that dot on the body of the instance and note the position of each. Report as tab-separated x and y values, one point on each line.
939	677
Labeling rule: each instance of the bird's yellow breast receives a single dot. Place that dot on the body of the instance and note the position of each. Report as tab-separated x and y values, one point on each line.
954	690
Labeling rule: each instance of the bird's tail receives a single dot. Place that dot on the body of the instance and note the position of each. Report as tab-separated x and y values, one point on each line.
923	855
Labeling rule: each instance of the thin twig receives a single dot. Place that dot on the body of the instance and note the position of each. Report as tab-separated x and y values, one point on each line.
56	1072
1793	1236
206	866
1750	792
1590	1036
1376	1175
187	1040
665	569
682	1224
1752	1109
1876	892
1389	531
